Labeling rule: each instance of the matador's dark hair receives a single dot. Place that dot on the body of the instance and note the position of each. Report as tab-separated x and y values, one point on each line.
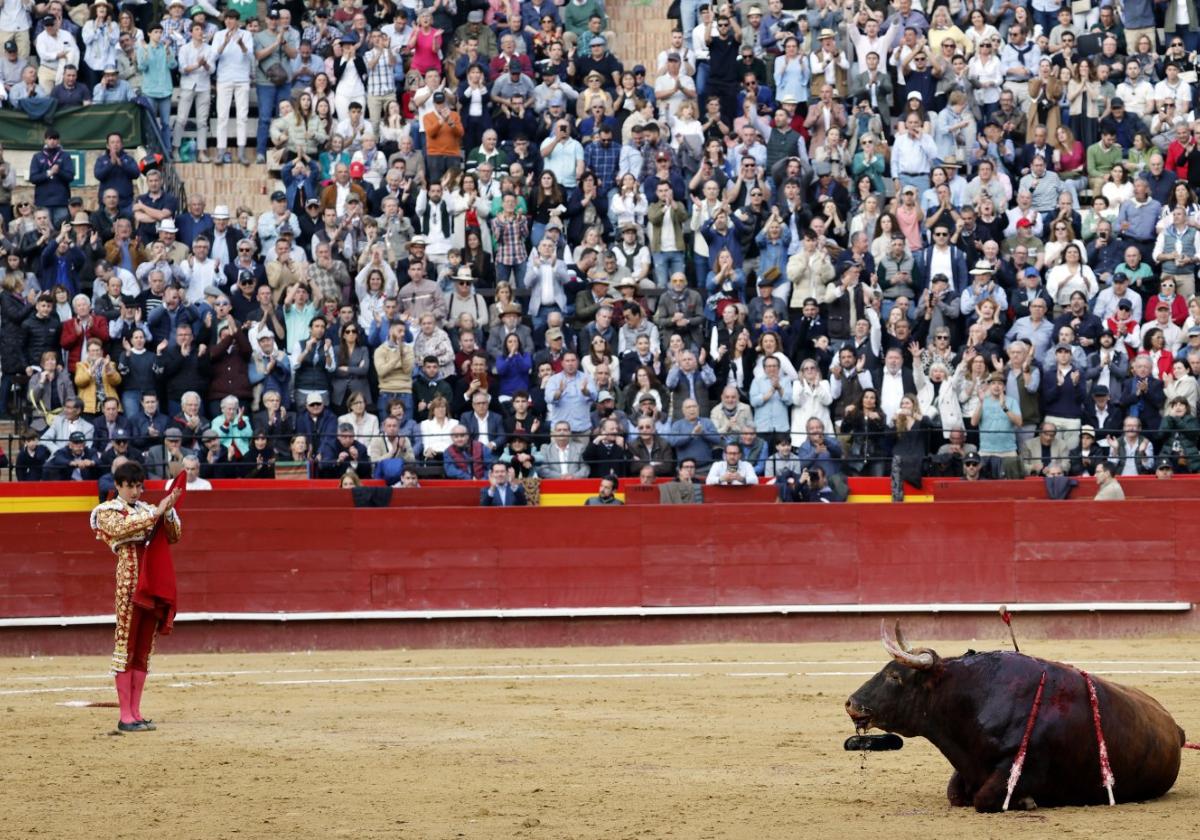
130	472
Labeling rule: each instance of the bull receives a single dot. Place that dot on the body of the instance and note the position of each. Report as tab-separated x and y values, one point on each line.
974	708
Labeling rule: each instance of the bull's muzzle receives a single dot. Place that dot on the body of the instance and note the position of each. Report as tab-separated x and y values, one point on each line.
861	715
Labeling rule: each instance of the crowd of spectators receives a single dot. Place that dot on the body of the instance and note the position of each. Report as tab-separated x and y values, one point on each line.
802	245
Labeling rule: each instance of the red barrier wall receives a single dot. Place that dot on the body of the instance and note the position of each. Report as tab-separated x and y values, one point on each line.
329	559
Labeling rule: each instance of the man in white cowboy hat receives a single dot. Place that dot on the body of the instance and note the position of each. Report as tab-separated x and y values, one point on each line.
464	298
982	287
176	252
225	237
953	165
825	61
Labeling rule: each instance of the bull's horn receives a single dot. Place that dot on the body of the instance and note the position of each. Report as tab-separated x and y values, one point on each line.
900	638
900	653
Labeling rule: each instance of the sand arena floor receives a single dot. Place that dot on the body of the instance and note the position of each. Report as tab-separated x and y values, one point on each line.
731	741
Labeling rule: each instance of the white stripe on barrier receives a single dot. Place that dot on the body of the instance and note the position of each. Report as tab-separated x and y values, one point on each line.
624	612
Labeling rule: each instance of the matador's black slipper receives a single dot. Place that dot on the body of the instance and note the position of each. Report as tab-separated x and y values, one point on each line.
148	723
136	726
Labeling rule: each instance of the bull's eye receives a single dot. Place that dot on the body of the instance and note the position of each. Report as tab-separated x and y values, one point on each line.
894	677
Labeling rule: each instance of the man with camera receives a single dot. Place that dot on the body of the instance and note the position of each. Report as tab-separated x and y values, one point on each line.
563	155
809	486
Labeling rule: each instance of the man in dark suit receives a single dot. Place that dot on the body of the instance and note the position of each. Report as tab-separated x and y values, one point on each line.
499	492
1103	414
484	425
392	187
74	462
1143	396
110	421
1038	148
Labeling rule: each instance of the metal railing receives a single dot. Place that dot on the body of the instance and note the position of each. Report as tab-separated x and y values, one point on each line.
172	183
876	464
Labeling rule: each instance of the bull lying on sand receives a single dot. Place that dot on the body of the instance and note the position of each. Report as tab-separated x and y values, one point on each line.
974	709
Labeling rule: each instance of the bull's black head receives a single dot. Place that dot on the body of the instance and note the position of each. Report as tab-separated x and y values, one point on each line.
895	699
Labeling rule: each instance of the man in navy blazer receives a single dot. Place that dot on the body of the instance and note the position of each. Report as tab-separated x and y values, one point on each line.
499	493
480	420
110	421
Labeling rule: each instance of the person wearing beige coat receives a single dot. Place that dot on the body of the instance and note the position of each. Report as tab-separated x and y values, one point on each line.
808	270
91	370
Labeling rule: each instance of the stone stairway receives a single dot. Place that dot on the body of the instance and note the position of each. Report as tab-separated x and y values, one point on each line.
233	185
642	30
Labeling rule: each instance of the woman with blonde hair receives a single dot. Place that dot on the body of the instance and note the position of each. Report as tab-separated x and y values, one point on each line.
435	430
503	297
1070	157
811	398
432	340
96	378
941	28
912	436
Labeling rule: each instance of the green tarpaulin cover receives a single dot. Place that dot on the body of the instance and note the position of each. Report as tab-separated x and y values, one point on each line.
81	127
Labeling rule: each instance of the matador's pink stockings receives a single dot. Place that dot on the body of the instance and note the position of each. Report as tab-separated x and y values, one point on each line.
135	695
124	681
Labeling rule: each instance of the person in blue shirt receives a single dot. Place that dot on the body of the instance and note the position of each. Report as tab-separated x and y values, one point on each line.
693	436
570	394
1137	219
111	88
